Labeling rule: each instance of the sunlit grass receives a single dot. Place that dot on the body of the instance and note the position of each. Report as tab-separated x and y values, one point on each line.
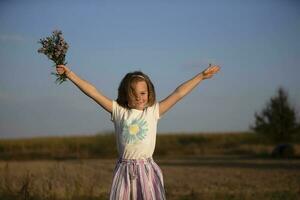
195	166
210	178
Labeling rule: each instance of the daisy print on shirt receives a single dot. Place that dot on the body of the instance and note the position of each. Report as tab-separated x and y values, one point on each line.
135	131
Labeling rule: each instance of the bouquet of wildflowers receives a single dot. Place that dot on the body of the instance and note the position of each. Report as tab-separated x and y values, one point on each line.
55	48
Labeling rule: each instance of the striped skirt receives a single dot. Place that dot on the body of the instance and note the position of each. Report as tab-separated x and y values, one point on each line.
137	179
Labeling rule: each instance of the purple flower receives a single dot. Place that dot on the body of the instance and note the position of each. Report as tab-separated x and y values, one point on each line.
55	48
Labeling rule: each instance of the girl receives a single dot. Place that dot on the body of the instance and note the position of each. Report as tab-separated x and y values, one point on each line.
135	114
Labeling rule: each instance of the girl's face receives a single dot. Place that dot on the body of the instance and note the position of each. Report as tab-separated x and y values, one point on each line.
140	99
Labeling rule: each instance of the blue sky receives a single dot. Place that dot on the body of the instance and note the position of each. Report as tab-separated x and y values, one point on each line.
256	43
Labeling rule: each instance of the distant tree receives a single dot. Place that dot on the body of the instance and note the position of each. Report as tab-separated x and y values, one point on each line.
278	119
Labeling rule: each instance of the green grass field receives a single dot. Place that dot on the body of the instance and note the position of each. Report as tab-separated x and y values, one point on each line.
195	166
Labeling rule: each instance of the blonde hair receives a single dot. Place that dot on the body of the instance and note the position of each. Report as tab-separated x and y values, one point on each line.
125	90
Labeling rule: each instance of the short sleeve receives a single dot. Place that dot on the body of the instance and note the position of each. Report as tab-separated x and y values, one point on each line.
116	111
156	110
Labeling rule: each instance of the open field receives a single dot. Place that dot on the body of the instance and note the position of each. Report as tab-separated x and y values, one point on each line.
235	166
204	177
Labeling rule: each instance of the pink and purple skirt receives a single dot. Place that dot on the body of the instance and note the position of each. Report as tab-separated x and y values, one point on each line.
137	179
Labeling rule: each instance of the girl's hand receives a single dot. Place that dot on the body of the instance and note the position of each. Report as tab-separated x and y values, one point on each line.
210	71
62	69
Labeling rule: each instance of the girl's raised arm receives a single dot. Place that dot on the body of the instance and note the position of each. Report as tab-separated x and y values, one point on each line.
86	88
185	88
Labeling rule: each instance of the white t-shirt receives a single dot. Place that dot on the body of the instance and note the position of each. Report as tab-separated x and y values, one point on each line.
135	130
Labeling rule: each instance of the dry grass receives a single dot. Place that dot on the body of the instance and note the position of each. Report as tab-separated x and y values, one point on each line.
232	178
216	177
218	166
55	179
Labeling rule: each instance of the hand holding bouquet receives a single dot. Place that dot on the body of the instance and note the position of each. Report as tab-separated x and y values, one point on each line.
62	69
55	48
